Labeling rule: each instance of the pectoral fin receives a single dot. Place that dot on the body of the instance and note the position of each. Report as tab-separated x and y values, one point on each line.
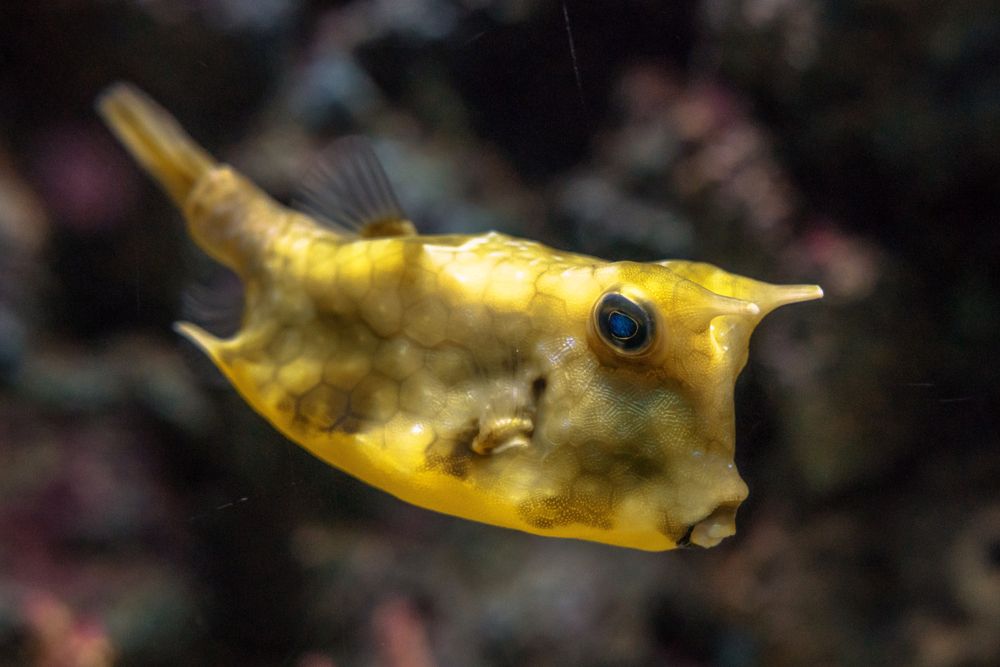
501	434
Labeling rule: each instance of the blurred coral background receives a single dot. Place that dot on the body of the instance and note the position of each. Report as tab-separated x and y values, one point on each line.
149	517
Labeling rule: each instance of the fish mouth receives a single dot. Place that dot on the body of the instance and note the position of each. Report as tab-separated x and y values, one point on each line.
711	530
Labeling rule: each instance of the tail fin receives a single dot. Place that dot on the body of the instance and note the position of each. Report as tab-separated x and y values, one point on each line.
155	139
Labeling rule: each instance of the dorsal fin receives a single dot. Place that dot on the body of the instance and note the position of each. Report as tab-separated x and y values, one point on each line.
349	191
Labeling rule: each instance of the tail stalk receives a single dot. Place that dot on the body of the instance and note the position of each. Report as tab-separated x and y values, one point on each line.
155	139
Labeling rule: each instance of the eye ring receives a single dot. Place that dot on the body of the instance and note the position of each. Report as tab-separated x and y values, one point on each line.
623	324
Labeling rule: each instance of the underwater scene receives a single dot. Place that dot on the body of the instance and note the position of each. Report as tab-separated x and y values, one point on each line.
420	333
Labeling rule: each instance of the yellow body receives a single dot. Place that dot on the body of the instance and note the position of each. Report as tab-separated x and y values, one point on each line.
471	374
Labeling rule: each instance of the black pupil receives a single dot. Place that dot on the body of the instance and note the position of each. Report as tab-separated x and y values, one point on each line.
623	323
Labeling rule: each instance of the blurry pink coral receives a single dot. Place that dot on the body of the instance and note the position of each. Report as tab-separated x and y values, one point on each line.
401	635
62	639
315	660
23	225
83	177
973	637
787	581
795	25
975	567
718	160
24	232
848	267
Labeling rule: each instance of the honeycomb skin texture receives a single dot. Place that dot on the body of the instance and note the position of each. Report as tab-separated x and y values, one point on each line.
467	374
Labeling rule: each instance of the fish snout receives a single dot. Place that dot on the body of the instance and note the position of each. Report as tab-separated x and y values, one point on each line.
717	526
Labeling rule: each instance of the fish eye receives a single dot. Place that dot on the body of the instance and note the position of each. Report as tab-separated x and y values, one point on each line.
623	324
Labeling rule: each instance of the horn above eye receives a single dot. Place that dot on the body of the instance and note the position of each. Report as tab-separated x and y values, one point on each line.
624	325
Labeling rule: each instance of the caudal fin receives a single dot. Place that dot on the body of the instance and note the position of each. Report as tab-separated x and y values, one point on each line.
155	138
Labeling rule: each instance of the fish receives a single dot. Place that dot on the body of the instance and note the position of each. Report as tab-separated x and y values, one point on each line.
483	376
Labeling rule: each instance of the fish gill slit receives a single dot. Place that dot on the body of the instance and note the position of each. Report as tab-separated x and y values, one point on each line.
538	387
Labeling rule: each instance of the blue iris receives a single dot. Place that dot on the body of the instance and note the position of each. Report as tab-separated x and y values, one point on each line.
622	326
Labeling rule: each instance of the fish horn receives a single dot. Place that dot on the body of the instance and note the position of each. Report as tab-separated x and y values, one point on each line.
155	139
699	306
774	296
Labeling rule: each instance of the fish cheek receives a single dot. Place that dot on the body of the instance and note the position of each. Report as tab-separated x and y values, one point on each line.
627	452
596	452
591	482
697	474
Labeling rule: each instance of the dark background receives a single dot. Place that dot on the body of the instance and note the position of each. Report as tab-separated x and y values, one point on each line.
148	517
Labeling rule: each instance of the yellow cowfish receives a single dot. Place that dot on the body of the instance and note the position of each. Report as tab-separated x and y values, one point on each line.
485	376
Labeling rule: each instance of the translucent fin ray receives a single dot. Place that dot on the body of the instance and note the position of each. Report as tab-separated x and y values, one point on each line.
349	191
215	303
